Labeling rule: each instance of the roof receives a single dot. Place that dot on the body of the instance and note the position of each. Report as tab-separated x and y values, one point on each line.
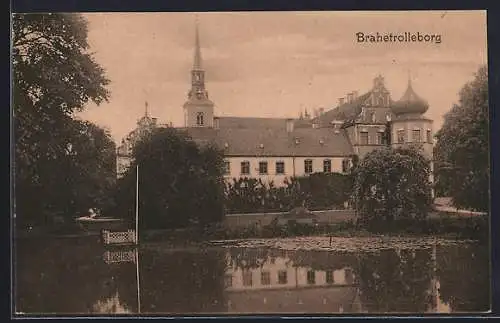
306	142
251	123
410	103
344	111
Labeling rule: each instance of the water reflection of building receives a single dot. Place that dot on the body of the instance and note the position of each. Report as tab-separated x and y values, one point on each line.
277	285
436	303
111	305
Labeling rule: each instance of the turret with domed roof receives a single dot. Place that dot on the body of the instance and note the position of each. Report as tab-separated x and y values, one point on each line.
410	127
410	104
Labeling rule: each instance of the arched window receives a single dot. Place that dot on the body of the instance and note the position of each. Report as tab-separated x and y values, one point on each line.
199	119
373	118
381	101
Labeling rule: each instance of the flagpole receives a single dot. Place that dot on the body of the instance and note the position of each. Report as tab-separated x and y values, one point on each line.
138	281
137	206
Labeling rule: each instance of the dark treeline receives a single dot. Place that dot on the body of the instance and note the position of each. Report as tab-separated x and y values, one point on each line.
63	166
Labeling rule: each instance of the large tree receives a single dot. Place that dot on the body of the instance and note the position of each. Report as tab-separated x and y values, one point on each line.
392	183
462	150
180	182
54	76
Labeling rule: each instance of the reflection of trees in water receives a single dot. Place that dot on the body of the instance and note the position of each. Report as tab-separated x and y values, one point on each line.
182	282
464	276
252	258
65	276
70	276
395	283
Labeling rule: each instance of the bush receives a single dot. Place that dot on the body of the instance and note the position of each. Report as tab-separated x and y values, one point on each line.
318	191
392	184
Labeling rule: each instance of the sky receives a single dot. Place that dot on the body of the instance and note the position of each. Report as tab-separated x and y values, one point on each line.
276	64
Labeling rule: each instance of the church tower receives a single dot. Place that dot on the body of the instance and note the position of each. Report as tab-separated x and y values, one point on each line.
198	109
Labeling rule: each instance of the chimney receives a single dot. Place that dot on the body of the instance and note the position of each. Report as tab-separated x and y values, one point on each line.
216	122
354	95
341	101
289	125
321	111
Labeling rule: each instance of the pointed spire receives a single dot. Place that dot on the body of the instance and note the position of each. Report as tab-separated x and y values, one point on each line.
146	114
409	78
197	51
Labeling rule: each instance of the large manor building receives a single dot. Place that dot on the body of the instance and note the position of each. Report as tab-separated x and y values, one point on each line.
274	149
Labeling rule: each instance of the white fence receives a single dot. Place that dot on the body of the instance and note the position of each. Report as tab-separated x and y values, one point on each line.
125	237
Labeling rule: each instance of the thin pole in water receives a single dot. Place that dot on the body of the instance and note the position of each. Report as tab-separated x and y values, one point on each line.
138	281
137	206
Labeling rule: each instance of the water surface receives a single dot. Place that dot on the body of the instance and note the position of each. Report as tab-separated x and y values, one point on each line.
80	276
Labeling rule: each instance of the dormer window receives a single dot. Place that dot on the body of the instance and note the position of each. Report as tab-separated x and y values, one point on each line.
226	145
261	146
199	119
297	141
388	117
321	141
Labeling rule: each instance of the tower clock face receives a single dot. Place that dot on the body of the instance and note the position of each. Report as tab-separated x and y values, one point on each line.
199	95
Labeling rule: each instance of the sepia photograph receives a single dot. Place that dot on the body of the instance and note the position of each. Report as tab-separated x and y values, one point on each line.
249	163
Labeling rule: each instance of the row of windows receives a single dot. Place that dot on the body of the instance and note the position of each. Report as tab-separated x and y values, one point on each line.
416	136
364	138
400	138
265	278
280	167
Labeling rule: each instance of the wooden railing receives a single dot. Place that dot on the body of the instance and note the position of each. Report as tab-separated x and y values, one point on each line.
117	256
124	237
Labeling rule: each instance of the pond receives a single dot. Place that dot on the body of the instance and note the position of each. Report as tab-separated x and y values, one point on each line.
302	275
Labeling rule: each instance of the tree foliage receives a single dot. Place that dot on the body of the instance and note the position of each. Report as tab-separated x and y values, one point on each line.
55	75
462	150
392	183
317	191
180	182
